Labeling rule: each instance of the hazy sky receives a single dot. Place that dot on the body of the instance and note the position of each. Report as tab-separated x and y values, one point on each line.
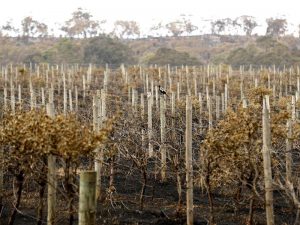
146	12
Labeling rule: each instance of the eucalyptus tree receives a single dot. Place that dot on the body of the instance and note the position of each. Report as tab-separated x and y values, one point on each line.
276	27
81	25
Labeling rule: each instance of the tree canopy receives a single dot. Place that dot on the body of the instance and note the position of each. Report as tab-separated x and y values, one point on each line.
102	50
165	56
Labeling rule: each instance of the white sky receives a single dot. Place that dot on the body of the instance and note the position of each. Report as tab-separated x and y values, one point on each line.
146	12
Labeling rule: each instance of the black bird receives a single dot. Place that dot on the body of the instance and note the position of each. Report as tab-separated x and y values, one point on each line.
162	91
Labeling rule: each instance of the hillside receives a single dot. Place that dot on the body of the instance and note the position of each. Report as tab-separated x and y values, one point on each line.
235	50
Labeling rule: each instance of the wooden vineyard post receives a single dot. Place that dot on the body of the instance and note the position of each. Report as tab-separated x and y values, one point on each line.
95	114
200	112
214	88
207	97
99	109
178	91
142	106
289	143
133	98
76	99
12	97
165	79
97	120
188	88
242	90
173	116
103	105
52	183
288	155
65	94
87	198
150	132
280	85
189	163
89	76
226	97
147	83
129	93
2	166
152	87
294	112
70	100
47	78
20	96
274	90
5	98
244	104
142	118
267	162
163	137
210	123
43	96
223	103
156	98
207	70
217	107
105	80
83	86
31	95
51	94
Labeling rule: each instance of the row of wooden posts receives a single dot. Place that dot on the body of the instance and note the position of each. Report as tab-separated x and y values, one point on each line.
70	92
90	182
88	179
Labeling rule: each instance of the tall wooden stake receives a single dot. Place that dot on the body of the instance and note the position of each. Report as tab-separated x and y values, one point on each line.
52	183
267	162
163	137
189	163
87	198
150	132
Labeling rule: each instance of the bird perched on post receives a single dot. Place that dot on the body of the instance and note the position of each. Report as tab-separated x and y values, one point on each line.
162	91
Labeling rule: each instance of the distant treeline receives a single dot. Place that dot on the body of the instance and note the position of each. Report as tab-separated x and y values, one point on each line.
234	50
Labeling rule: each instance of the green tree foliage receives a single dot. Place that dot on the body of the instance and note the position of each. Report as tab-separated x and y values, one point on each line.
165	56
241	56
65	50
266	51
102	50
